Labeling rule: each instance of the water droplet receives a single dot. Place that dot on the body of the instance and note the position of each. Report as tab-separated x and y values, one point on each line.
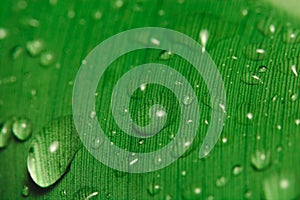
165	55
132	162
187	100
155	41
182	145
269	26
244	12
203	35
224	140
35	47
16	52
256	52
192	192
251	78
297	122
260	160
97	15
262	69
53	2
63	193
119	3
154	189
221	181
249	116
237	170
5	133
168	197
291	36
25	191
3	33
248	194
30	22
71	14
97	143
22	128
290	66
47	59
86	193
281	185
52	151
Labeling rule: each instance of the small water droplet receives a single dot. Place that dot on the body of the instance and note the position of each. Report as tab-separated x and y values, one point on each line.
297	122
25	191
251	78
248	194
260	160
192	192
256	52
5	133
63	193
53	2
249	116
97	15
154	189
30	22
155	41
269	26
290	66
165	55
47	59
262	69
203	35
3	33
244	12
291	36
187	100
35	47
71	14
237	170
16	52
52	151
221	181
86	193
281	185
22	128
119	3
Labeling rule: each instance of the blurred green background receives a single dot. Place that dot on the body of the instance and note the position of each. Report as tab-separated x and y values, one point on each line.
255	45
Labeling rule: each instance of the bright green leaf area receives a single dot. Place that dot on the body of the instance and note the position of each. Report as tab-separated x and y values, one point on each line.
256	47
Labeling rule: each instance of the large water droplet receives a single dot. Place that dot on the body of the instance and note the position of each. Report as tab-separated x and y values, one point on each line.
86	193
22	128
52	151
35	47
260	160
5	133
